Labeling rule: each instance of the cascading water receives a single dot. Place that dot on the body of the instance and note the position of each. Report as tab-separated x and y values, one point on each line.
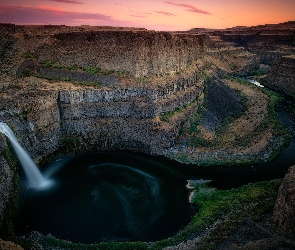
35	178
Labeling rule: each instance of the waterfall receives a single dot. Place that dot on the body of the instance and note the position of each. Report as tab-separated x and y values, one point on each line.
32	172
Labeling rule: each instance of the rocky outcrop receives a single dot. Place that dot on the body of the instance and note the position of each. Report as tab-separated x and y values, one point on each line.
281	76
284	211
6	181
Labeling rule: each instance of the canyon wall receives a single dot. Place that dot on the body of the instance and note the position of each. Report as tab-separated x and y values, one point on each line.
143	76
281	77
140	53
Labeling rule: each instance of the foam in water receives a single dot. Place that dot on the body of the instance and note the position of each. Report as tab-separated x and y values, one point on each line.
33	174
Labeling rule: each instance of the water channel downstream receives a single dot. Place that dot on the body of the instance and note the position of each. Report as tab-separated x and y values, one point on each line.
114	196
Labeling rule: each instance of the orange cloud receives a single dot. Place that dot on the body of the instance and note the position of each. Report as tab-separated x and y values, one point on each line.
189	8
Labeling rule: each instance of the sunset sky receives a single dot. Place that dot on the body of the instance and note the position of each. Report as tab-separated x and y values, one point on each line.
150	14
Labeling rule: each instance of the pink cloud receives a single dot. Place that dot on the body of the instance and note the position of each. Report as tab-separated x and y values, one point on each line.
44	7
42	15
139	16
122	4
189	8
67	1
165	13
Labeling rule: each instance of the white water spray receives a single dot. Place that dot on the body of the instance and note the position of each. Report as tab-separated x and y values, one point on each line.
35	178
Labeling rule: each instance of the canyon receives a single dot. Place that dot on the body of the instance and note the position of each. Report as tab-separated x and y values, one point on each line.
66	90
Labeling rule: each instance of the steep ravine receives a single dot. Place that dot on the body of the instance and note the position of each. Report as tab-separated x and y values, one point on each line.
139	108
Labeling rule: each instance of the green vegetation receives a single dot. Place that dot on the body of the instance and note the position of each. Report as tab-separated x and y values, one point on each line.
271	121
26	73
91	70
64	79
43	77
96	84
259	72
49	64
167	115
190	129
231	208
206	76
108	72
71	67
143	79
29	54
233	66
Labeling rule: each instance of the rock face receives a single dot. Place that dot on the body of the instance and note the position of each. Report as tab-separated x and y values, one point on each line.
140	53
282	75
6	181
284	211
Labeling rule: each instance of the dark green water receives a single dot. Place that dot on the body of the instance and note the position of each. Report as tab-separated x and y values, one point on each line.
108	196
118	196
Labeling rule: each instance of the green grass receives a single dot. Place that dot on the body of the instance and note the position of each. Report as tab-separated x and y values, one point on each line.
49	64
96	84
64	79
71	67
108	72
231	208
91	70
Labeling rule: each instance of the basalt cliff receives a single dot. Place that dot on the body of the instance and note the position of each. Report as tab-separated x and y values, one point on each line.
76	89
